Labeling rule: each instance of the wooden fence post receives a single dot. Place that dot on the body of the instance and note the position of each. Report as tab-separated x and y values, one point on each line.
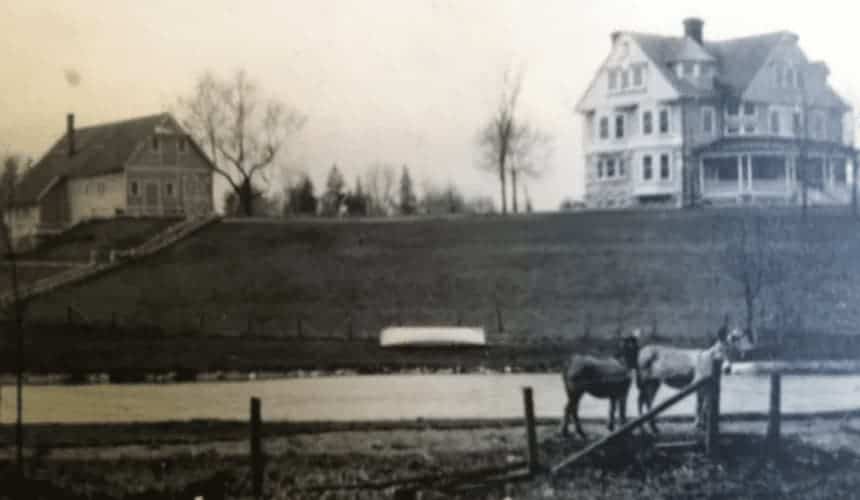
774	416
256	449
712	421
531	434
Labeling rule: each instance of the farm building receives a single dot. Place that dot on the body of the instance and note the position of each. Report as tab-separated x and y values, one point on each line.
680	120
145	166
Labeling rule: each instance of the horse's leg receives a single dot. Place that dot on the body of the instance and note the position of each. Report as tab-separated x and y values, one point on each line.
700	409
622	408
612	403
574	402
565	418
650	394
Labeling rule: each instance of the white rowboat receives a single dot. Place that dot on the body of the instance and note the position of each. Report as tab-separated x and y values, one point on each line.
428	336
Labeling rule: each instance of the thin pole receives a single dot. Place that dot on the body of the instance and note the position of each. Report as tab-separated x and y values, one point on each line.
256	449
713	419
774	416
531	434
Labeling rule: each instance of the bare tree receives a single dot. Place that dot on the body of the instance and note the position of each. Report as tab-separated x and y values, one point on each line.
498	137
530	155
380	180
242	131
752	258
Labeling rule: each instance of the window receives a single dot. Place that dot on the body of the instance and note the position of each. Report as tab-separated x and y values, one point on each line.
708	120
183	144
797	123
664	121
749	109
780	76
664	166
619	126
647	169
600	169
134	188
790	77
647	123
732	128
168	189
613	79
155	144
622	169
774	122
100	187
610	168
749	127
818	126
625	79
733	108
638	77
604	128
687	68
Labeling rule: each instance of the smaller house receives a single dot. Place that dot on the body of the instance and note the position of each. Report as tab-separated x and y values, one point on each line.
145	166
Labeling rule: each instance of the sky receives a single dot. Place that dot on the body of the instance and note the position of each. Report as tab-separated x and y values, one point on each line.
402	82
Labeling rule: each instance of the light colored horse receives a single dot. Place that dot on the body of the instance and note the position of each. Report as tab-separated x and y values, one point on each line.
605	378
678	368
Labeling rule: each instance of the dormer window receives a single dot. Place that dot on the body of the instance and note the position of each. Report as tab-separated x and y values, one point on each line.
155	143
749	109
625	79
687	68
733	108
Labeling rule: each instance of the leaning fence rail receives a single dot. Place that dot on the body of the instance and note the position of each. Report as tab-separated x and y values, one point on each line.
711	382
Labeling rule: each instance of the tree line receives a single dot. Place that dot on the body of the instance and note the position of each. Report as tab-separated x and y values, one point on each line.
381	191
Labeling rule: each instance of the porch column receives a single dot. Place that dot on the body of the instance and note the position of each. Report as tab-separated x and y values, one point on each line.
702	176
740	169
749	167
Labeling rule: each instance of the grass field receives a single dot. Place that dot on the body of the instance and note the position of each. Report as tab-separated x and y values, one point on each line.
77	243
547	273
544	279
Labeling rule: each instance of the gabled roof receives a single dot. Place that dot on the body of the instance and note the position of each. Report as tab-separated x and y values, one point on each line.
740	59
738	62
664	50
99	150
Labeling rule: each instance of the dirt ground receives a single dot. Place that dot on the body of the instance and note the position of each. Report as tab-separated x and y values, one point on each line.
817	460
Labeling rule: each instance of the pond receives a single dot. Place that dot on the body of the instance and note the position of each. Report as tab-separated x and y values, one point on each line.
387	397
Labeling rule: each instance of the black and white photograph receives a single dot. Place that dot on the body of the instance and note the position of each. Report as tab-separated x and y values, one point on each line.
429	249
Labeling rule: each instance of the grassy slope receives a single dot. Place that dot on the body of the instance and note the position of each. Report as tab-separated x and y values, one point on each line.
549	273
119	233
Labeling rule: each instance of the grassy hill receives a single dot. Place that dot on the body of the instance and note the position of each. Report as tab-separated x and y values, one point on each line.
546	276
119	233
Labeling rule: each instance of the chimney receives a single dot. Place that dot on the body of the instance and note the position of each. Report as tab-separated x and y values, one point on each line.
693	29
70	133
614	36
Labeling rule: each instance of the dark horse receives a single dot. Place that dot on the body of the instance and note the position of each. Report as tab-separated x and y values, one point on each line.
602	378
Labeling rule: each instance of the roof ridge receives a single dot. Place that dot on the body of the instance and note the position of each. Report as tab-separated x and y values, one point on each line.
125	121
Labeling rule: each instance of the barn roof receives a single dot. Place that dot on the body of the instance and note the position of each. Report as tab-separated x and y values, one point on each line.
99	149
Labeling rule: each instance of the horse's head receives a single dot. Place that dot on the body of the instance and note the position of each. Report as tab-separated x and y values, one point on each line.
627	350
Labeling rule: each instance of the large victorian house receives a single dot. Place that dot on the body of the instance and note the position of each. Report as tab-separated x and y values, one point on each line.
680	121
